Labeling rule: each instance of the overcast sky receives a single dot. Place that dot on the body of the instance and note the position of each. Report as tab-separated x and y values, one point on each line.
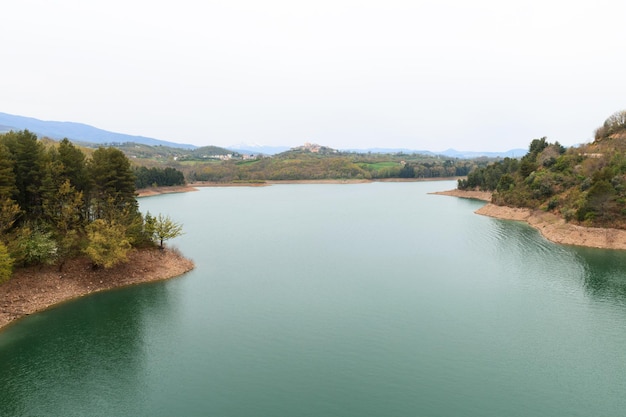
470	75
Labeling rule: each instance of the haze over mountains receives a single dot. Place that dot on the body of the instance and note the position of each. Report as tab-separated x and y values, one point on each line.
79	132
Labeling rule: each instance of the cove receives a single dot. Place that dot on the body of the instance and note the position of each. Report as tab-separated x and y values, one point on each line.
345	300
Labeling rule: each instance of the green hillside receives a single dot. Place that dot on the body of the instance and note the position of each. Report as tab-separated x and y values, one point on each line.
325	163
584	184
309	162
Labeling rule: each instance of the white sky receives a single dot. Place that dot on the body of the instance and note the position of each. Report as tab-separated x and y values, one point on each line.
485	75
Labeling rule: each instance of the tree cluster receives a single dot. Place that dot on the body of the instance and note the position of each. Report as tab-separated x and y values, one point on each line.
614	124
56	203
585	184
157	177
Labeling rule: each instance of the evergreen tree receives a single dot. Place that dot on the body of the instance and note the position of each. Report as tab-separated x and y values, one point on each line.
74	165
27	154
8	189
113	184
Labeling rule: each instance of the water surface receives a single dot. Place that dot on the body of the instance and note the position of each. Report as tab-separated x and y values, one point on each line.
344	300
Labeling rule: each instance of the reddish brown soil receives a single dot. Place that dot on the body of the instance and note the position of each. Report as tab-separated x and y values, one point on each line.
37	288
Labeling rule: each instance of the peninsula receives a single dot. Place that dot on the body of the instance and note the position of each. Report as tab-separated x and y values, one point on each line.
551	226
70	225
574	196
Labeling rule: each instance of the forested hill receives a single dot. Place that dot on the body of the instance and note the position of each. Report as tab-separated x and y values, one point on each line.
584	184
325	163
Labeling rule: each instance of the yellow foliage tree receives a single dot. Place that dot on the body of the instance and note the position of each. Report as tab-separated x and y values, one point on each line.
108	245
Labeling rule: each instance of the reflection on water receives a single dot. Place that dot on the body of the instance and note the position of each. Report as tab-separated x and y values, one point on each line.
72	352
602	273
605	273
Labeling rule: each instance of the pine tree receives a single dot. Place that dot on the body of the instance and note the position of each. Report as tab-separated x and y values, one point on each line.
113	184
8	188
27	154
74	165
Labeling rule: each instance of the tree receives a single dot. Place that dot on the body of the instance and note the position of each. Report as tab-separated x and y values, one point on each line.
505	183
165	228
113	184
63	211
9	211
599	202
74	165
537	145
613	124
74	169
28	153
107	245
527	166
8	188
616	122
6	264
155	177
33	246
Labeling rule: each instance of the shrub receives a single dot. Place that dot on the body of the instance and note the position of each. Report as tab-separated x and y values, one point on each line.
6	264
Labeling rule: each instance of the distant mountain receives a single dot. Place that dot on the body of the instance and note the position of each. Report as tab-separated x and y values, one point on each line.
256	149
513	153
77	132
388	150
452	153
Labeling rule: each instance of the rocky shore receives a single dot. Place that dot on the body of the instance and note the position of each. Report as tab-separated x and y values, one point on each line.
552	227
37	288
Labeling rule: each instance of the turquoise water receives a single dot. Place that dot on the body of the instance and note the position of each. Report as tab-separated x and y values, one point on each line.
336	300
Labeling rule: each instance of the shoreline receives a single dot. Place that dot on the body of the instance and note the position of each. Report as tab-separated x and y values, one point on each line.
551	226
471	194
149	192
152	191
34	289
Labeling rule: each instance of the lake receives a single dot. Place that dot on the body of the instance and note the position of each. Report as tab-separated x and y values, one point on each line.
336	300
